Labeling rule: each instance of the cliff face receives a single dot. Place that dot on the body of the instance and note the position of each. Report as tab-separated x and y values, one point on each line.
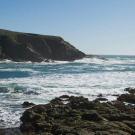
18	46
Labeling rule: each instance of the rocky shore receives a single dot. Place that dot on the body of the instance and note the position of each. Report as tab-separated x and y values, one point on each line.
70	115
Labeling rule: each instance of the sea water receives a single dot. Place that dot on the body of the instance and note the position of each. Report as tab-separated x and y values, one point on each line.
41	82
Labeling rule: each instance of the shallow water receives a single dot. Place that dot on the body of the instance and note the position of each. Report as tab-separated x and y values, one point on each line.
40	82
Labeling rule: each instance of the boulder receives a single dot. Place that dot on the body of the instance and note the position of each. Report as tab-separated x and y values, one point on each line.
129	98
130	90
27	104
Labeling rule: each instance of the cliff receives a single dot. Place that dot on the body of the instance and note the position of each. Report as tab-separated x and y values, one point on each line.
19	46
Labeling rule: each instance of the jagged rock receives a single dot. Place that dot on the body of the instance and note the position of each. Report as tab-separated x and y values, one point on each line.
130	90
79	116
27	104
129	98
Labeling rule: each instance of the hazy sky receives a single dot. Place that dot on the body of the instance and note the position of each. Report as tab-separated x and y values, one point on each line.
93	26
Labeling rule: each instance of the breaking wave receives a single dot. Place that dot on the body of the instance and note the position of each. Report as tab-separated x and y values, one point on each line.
40	82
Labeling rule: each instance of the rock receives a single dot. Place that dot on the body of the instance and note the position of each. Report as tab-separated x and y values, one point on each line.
18	46
101	99
129	98
120	117
92	116
80	103
47	60
11	131
99	95
57	101
130	123
63	130
130	90
27	104
64	96
30	92
79	116
112	132
115	95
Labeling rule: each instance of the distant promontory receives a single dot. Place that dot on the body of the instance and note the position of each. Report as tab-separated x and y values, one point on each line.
17	46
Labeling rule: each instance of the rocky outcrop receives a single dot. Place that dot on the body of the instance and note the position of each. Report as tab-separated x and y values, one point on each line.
27	104
128	97
18	46
69	115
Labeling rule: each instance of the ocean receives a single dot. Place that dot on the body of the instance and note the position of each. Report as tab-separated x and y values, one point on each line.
41	82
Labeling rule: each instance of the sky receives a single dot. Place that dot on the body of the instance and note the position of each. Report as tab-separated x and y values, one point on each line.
93	26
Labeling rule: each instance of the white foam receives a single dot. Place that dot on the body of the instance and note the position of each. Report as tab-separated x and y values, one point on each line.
94	60
8	118
107	61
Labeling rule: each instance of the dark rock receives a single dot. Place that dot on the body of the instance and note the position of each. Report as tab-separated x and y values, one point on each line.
64	96
18	46
80	103
122	107
116	95
130	90
129	98
101	99
57	101
11	131
63	130
27	104
99	95
92	116
31	92
130	123
120	117
47	60
79	116
112	132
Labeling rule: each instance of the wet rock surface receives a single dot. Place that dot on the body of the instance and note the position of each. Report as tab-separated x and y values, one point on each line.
130	90
27	104
129	97
69	115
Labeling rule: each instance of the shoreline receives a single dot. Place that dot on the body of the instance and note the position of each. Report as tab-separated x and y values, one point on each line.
78	116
